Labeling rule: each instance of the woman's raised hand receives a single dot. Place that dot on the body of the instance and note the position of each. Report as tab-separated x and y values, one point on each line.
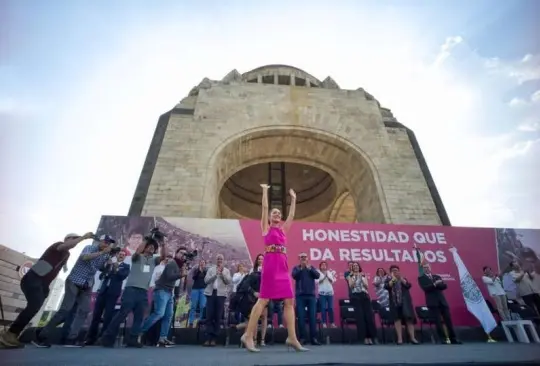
292	193
265	186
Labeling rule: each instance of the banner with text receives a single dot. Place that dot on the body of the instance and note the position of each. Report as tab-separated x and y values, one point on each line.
372	245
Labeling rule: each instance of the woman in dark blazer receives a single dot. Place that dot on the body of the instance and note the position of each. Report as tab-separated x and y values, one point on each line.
401	305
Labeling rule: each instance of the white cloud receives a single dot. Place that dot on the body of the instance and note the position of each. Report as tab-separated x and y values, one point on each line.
526	69
454	100
535	97
530	126
517	102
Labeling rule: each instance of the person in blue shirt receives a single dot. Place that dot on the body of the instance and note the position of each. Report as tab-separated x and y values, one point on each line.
305	275
78	290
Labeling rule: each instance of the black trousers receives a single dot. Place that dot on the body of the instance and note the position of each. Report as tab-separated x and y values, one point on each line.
532	301
215	306
103	307
35	291
365	320
438	312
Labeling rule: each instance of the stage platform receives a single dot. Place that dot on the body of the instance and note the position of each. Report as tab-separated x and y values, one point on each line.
478	354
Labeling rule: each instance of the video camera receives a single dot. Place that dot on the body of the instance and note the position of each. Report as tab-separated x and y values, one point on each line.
189	256
155	235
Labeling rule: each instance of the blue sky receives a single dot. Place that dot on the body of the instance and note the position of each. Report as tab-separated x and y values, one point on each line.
82	84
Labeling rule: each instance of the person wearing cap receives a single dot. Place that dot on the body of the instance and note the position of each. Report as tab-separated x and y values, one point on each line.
135	296
112	276
35	285
78	290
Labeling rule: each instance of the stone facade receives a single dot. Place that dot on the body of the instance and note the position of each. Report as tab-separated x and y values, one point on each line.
13	265
280	113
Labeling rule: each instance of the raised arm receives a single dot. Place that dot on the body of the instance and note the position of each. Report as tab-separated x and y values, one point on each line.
264	215
292	210
72	242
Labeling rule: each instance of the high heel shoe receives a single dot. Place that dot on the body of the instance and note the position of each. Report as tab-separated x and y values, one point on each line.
296	346
250	349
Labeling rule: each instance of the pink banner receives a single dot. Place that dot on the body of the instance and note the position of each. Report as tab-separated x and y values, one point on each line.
372	245
375	246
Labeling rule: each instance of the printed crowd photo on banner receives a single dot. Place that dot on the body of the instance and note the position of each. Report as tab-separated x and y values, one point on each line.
207	237
372	245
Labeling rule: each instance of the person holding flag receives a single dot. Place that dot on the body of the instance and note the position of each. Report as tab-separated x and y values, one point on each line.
476	304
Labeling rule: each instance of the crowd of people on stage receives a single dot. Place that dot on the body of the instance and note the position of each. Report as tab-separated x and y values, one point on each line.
314	293
296	295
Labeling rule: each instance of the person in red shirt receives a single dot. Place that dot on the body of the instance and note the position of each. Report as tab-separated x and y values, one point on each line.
35	285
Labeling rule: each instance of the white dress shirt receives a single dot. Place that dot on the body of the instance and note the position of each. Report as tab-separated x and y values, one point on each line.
494	286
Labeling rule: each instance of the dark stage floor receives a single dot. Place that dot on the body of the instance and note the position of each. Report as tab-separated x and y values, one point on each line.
478	354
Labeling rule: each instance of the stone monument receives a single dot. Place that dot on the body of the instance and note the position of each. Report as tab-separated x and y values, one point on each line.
348	158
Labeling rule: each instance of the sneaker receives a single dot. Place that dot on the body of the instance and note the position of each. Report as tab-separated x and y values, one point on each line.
41	343
281	326
72	343
324	326
10	340
333	325
165	343
269	326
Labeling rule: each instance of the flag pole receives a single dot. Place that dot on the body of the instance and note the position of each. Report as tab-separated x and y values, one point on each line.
488	335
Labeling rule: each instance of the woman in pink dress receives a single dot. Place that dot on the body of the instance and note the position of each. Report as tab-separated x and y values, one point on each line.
276	283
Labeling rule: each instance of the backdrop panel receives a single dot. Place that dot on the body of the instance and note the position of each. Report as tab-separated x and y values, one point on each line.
373	245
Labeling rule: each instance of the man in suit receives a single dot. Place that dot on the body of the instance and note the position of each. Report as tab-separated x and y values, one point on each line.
433	286
113	274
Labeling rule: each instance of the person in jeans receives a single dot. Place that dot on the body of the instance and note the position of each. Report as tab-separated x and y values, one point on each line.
496	291
217	280
197	298
275	307
135	296
35	285
164	297
78	290
305	276
326	294
113	274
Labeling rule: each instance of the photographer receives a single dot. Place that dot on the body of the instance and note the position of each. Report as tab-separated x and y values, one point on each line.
35	285
78	289
135	296
113	274
174	270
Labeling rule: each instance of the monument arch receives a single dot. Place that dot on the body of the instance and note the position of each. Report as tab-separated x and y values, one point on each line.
346	155
305	159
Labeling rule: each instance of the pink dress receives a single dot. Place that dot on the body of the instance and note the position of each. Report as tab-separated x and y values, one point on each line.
276	280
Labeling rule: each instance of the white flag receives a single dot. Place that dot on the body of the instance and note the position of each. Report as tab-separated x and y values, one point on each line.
476	304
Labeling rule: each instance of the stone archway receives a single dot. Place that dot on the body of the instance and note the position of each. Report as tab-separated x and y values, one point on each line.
356	191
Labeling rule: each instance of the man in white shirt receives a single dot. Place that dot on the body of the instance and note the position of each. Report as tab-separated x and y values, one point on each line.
497	293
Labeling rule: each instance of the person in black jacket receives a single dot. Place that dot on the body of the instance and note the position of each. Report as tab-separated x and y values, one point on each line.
401	305
247	294
197	298
433	286
113	274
